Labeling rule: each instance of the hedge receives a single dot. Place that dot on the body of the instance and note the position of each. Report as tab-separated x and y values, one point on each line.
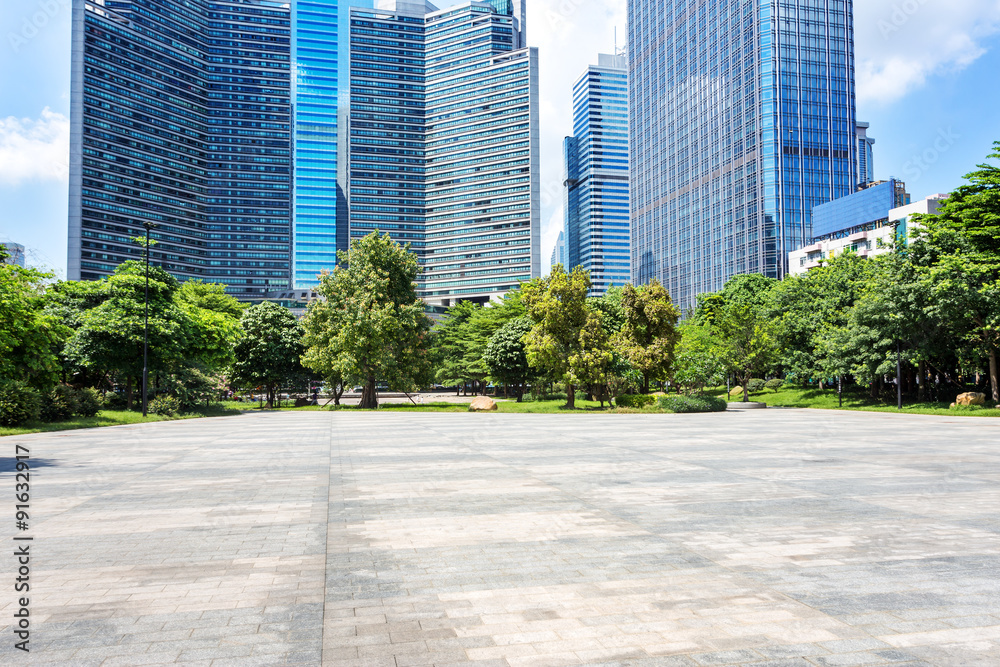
690	404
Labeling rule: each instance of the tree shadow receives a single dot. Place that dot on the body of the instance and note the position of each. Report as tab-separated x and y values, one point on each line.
9	464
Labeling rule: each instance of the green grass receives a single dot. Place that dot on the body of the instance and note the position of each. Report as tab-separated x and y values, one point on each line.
795	397
512	407
112	418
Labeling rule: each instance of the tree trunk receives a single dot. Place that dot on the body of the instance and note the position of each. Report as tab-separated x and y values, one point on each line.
520	392
369	396
128	393
994	379
645	384
571	397
338	391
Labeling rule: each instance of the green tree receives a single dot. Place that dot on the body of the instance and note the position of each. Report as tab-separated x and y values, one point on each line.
30	336
739	319
697	364
505	355
959	253
558	307
269	348
592	362
372	325
109	338
213	319
649	334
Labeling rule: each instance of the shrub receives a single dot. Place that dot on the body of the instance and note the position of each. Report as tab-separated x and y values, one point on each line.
18	404
113	401
775	384
756	386
166	406
88	402
60	404
635	400
689	404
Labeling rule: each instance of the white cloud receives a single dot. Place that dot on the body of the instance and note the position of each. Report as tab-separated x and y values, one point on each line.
900	43
34	149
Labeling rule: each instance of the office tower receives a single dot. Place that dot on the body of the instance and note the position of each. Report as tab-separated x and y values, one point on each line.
180	118
15	254
444	142
597	177
866	158
559	251
742	119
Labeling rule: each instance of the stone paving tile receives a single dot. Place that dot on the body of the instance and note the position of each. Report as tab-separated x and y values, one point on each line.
772	539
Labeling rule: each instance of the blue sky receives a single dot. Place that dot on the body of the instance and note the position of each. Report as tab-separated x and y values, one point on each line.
927	82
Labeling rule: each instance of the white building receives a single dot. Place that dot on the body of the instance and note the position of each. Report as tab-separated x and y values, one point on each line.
866	243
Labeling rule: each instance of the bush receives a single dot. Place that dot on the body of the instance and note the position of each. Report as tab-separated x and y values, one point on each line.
635	400
689	404
165	406
18	404
756	386
88	402
775	384
60	404
113	401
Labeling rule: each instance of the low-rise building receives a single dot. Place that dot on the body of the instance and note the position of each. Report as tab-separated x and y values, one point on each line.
875	237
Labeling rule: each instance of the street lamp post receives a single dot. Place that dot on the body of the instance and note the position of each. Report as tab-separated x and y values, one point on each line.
145	330
899	375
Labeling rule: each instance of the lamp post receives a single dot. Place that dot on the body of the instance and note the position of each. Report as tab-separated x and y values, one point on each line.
899	375
145	330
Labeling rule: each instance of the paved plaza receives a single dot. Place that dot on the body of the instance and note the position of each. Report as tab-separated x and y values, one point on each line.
783	538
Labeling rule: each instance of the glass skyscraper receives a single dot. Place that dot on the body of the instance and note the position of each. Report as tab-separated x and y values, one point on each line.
596	204
262	136
444	142
180	118
743	120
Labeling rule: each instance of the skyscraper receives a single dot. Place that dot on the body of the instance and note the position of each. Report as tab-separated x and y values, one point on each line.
742	120
866	157
261	136
597	177
444	144
180	118
559	251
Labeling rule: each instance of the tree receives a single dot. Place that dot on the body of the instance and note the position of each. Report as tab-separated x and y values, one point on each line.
269	348
959	253
697	362
738	318
213	319
372	325
649	332
30	337
592	362
110	335
557	305
505	355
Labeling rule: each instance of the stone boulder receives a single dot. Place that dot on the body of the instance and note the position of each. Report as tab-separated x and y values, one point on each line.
483	404
971	398
736	391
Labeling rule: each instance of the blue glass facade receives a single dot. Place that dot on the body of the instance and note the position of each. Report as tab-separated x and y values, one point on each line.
858	211
320	211
597	176
743	120
180	117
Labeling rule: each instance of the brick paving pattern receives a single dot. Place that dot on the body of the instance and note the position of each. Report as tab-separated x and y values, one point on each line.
782	538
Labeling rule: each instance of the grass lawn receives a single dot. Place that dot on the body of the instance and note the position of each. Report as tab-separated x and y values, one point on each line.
795	397
113	418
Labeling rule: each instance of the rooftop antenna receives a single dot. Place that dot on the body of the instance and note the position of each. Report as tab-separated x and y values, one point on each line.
616	40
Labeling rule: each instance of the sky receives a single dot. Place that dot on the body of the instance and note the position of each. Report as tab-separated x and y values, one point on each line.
926	77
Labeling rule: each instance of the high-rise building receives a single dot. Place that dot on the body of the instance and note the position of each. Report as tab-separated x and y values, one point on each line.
866	155
261	136
559	251
596	203
742	119
15	254
444	145
180	118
